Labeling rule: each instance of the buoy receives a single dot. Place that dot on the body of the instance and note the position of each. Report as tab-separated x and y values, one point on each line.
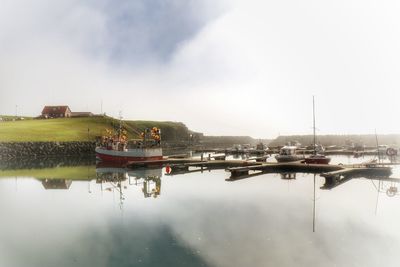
391	152
392	191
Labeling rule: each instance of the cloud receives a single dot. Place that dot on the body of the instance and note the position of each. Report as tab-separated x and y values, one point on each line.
222	67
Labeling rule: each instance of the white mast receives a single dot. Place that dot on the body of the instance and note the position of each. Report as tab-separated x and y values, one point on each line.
313	102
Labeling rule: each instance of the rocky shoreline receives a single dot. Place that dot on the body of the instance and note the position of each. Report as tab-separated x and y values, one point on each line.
11	150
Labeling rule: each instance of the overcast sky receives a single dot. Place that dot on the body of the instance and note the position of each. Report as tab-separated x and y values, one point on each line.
222	67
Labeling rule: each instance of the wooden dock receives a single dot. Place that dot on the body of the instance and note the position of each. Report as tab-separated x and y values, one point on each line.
209	165
359	171
284	167
161	162
336	178
239	169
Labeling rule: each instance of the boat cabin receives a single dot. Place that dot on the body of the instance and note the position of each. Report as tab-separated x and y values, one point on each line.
288	150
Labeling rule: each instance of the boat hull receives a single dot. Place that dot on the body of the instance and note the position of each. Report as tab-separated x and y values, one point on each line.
317	160
146	154
287	158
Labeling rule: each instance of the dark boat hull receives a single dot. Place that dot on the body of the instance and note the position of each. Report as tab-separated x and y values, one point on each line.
317	160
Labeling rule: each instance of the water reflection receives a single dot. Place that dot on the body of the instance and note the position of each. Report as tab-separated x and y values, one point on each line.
43	162
332	182
119	178
388	186
200	219
56	183
288	175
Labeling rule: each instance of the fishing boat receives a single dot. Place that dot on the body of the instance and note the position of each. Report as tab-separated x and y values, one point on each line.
115	148
316	157
288	154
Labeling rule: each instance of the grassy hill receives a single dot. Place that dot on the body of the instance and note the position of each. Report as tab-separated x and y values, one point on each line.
72	173
76	129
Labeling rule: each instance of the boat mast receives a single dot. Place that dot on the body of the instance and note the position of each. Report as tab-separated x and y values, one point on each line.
313	226
313	103
377	147
120	125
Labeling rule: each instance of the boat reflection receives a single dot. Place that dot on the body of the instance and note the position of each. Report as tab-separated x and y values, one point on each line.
111	178
388	185
120	178
288	175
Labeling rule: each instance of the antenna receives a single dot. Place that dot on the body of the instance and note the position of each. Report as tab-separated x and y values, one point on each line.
120	124
377	147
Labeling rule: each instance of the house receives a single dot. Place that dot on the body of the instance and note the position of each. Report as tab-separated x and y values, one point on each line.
56	112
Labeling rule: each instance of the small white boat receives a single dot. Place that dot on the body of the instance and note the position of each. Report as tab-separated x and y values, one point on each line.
288	154
382	149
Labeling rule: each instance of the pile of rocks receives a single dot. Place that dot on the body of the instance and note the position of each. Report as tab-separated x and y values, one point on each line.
45	149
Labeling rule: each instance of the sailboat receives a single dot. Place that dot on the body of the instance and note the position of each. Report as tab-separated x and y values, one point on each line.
316	158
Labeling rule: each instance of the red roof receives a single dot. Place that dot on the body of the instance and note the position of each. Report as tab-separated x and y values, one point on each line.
55	109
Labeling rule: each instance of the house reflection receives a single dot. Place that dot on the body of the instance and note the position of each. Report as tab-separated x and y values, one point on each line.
56	183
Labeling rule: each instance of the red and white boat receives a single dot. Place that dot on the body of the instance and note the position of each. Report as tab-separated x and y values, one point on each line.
126	155
116	149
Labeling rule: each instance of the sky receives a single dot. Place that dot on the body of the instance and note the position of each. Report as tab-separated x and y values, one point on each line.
239	67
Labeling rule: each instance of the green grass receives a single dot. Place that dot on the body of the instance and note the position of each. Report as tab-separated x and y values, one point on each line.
71	129
71	173
76	129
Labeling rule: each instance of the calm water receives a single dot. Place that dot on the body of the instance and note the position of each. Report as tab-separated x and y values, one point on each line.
57	213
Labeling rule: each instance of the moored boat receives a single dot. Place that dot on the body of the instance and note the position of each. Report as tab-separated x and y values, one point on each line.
317	159
288	154
127	155
117	149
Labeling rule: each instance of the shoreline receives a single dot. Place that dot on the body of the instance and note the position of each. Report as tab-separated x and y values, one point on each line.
15	150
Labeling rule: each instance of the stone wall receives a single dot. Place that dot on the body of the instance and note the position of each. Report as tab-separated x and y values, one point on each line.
9	150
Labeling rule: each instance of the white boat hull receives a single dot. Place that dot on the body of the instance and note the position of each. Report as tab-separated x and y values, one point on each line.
125	156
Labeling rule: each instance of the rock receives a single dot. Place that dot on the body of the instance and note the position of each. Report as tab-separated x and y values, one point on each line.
45	149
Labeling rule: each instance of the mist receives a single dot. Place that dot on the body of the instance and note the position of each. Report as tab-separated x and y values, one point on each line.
221	67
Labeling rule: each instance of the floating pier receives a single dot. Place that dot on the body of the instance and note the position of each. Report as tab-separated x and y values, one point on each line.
283	167
209	165
239	169
369	171
359	171
160	162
